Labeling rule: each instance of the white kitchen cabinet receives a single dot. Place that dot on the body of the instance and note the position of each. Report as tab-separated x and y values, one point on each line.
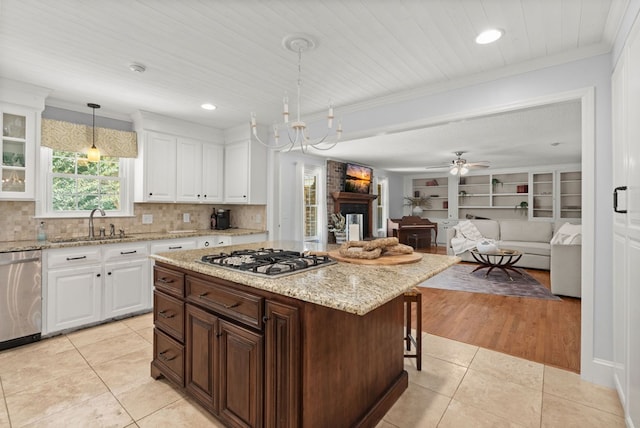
199	171
72	297
247	239
85	285
213	241
168	245
126	279
17	166
156	168
245	173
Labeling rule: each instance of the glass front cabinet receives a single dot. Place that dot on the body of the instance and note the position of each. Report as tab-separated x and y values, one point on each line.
18	153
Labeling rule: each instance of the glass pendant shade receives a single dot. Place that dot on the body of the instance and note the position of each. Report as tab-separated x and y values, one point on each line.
93	155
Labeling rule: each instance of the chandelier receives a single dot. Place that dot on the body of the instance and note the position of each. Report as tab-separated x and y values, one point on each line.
296	130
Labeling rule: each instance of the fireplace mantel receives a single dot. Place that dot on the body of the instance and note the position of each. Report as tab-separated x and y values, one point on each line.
350	198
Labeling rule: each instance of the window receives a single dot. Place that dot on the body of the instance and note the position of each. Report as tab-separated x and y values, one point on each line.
382	209
310	206
75	186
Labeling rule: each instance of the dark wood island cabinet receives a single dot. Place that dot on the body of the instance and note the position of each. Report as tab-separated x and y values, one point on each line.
258	358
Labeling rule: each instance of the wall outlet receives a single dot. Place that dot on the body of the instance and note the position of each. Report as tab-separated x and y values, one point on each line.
147	218
186	218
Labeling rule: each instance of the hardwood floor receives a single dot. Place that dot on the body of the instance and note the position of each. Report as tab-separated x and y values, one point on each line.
545	331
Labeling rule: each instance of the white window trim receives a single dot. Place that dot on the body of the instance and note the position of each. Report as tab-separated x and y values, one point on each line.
320	199
384	198
44	195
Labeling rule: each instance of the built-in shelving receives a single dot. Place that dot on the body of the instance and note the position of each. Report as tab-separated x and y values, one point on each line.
544	195
437	190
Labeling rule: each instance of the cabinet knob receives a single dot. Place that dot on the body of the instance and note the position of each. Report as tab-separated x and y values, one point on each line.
198	195
109	273
150	194
98	275
265	319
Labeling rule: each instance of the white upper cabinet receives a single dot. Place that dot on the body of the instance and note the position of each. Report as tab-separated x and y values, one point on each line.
177	161
17	166
199	173
245	172
156	168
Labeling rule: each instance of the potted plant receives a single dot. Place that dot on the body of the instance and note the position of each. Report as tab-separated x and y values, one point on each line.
495	182
339	227
417	203
522	206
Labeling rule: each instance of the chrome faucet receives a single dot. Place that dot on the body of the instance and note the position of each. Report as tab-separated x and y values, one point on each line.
91	233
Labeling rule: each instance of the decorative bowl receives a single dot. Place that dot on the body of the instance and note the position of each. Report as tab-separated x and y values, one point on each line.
486	247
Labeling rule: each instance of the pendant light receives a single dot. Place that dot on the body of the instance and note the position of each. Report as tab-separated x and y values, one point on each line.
93	155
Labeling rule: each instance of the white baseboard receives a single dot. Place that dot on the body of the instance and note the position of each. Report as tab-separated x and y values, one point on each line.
598	371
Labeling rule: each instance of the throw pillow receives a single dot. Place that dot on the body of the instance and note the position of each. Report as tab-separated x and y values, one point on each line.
469	230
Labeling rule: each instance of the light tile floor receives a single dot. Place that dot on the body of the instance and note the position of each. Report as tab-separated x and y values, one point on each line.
99	377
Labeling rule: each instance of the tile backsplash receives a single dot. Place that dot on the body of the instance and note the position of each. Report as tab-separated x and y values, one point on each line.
17	222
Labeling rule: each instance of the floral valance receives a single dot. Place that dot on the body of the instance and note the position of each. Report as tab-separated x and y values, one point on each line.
72	137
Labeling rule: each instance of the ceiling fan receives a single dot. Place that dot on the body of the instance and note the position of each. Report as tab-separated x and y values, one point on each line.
460	166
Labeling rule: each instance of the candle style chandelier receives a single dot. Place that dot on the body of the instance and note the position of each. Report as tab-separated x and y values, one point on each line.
297	132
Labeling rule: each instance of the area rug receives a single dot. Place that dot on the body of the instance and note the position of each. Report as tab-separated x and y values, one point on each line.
460	278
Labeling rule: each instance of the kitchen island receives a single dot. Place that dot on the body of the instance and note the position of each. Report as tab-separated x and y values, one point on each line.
318	348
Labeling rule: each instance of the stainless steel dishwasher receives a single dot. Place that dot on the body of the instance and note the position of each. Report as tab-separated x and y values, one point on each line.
20	298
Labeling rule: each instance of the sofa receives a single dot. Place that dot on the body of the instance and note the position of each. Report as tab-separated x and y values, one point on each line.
532	238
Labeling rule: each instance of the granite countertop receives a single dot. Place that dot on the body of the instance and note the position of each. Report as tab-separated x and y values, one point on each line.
348	287
66	242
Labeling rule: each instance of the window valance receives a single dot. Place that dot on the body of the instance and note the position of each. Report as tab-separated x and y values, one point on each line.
72	137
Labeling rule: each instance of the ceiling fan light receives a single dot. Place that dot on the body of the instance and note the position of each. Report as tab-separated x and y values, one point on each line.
463	170
453	170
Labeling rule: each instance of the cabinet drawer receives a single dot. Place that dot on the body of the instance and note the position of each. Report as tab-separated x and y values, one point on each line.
244	307
169	281
125	252
168	315
168	356
68	257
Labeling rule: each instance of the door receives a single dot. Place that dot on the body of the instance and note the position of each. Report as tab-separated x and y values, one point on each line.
626	226
189	171
160	168
212	172
201	376
236	173
126	287
282	365
241	376
73	297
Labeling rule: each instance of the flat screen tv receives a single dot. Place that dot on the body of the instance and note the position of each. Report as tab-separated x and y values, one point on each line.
357	178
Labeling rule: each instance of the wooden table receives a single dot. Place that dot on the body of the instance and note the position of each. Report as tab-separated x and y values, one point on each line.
502	259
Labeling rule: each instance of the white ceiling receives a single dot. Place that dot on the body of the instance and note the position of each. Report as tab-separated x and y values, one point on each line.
229	52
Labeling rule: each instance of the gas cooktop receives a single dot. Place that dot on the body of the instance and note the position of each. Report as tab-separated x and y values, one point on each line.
267	261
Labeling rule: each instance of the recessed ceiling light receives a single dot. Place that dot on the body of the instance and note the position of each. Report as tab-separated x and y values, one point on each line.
489	36
208	106
137	68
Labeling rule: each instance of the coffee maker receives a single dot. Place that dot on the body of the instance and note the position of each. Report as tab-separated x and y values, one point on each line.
222	220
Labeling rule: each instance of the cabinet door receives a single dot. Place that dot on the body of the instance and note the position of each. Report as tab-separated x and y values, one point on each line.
189	171
126	287
160	168
236	173
212	169
241	376
201	376
73	297
17	166
282	365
